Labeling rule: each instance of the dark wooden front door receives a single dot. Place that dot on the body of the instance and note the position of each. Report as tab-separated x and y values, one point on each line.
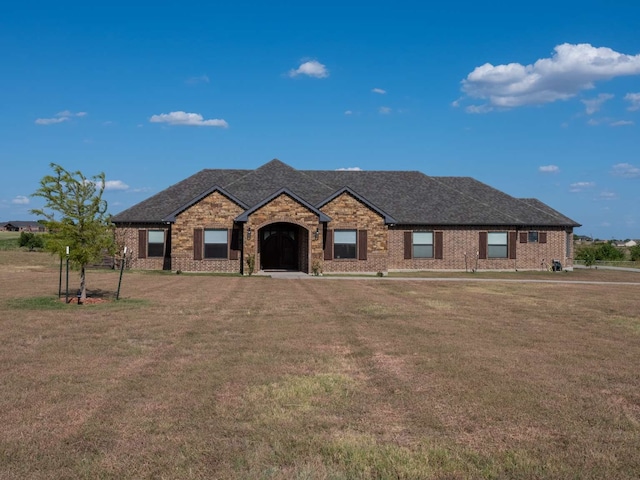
279	247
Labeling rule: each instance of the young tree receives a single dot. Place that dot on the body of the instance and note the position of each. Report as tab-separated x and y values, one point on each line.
76	216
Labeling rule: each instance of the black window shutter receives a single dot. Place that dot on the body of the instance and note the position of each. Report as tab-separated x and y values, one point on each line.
234	247
198	239
482	245
408	245
542	237
362	244
142	244
523	237
328	246
513	241
437	239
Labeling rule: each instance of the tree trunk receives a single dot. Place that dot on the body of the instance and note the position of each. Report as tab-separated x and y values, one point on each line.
83	284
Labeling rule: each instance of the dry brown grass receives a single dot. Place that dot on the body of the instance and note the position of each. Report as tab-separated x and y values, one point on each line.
228	377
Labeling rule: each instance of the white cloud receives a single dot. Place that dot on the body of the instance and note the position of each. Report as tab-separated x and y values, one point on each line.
606	195
115	185
549	169
349	169
348	112
571	69
384	110
625	170
312	68
59	117
478	109
197	80
189	119
592	105
50	121
581	186
622	123
634	100
20	200
379	90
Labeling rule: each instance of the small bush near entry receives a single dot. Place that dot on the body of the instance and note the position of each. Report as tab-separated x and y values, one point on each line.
31	241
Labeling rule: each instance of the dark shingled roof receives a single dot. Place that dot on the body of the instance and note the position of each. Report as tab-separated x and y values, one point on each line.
407	197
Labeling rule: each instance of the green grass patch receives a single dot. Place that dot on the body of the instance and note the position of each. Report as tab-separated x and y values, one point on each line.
53	303
37	303
9	240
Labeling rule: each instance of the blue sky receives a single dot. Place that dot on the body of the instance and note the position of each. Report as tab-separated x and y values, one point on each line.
536	100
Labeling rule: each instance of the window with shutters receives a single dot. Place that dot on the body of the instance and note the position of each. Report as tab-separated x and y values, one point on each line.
155	243
422	245
344	244
532	237
497	244
215	243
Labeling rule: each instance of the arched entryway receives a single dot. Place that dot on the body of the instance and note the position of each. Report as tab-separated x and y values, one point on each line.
281	246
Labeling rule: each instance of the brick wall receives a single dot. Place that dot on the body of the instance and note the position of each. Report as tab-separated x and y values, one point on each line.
347	212
458	241
385	245
128	236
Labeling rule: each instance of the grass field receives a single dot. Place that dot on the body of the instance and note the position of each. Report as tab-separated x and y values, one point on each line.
231	377
9	240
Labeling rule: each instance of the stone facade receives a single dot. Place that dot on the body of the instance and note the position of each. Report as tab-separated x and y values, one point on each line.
213	211
284	209
347	212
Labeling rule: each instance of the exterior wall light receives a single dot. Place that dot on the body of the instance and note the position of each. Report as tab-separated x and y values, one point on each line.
249	233
316	234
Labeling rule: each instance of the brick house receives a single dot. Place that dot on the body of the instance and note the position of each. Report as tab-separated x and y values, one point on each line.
22	226
344	221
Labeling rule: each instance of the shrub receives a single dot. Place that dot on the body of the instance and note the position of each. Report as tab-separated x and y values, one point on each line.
251	263
31	241
634	253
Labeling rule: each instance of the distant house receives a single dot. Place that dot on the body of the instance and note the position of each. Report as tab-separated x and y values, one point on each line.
345	221
20	226
630	243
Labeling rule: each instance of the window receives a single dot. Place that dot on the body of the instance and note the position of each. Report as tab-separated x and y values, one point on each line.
155	243
497	243
533	237
344	244
215	243
422	244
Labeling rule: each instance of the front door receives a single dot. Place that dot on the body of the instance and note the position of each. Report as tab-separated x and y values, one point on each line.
279	247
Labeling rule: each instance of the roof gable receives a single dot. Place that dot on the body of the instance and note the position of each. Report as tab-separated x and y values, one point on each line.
172	216
322	217
387	218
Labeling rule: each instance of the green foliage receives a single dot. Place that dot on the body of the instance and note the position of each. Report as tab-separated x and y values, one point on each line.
251	263
76	216
607	251
589	254
634	253
31	241
316	267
